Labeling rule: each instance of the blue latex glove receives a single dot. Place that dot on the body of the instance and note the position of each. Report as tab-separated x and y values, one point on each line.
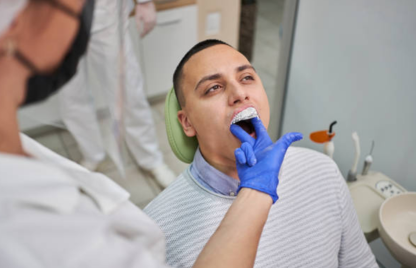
259	160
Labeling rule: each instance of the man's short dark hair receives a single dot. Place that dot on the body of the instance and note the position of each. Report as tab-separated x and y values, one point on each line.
177	76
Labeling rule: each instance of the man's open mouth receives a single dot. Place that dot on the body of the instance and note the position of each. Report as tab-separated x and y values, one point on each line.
243	119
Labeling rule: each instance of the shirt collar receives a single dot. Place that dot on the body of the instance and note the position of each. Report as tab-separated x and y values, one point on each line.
211	178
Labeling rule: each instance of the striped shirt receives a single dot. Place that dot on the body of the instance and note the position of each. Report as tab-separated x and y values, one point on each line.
313	224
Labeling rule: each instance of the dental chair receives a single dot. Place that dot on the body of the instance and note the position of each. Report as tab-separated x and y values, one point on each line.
182	146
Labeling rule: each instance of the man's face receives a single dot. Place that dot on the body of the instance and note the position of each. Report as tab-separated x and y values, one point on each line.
217	83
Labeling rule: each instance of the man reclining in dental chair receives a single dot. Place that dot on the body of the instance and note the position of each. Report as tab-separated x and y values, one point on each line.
223	113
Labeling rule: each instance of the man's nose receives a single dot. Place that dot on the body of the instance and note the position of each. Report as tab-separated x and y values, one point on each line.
237	94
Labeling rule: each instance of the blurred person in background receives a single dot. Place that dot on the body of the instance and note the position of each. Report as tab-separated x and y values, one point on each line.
102	62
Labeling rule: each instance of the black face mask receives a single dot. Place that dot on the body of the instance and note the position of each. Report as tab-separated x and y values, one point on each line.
41	86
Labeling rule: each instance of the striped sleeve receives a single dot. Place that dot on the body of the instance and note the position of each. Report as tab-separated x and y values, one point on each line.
354	250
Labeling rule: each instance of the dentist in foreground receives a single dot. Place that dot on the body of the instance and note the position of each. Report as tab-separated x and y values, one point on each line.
55	213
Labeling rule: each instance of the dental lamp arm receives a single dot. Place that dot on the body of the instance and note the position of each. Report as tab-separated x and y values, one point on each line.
352	173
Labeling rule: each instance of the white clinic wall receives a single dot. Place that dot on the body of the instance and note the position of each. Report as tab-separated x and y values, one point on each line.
355	62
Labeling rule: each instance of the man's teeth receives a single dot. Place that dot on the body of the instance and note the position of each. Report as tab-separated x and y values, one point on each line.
245	114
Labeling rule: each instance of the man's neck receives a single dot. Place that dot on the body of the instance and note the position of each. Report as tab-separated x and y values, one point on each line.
226	166
13	79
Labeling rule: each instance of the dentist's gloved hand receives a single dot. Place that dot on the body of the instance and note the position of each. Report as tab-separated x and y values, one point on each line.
145	17
259	160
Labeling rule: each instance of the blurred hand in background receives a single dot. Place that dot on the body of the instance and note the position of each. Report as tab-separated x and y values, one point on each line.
145	16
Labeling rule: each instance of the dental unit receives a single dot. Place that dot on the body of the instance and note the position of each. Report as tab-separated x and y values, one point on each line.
384	208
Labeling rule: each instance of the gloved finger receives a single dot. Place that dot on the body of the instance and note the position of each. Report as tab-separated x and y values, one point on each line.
248	151
261	131
240	156
287	139
241	134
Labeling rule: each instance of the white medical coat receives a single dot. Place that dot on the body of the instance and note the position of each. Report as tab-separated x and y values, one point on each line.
100	68
54	213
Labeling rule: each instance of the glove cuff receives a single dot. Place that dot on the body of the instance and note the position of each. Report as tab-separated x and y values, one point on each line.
272	194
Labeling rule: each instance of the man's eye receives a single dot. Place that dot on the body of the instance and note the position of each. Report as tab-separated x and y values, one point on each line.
211	89
248	77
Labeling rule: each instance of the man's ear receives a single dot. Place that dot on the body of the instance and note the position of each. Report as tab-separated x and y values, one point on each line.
186	124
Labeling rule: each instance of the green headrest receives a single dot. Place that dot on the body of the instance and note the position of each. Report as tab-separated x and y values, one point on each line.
183	146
